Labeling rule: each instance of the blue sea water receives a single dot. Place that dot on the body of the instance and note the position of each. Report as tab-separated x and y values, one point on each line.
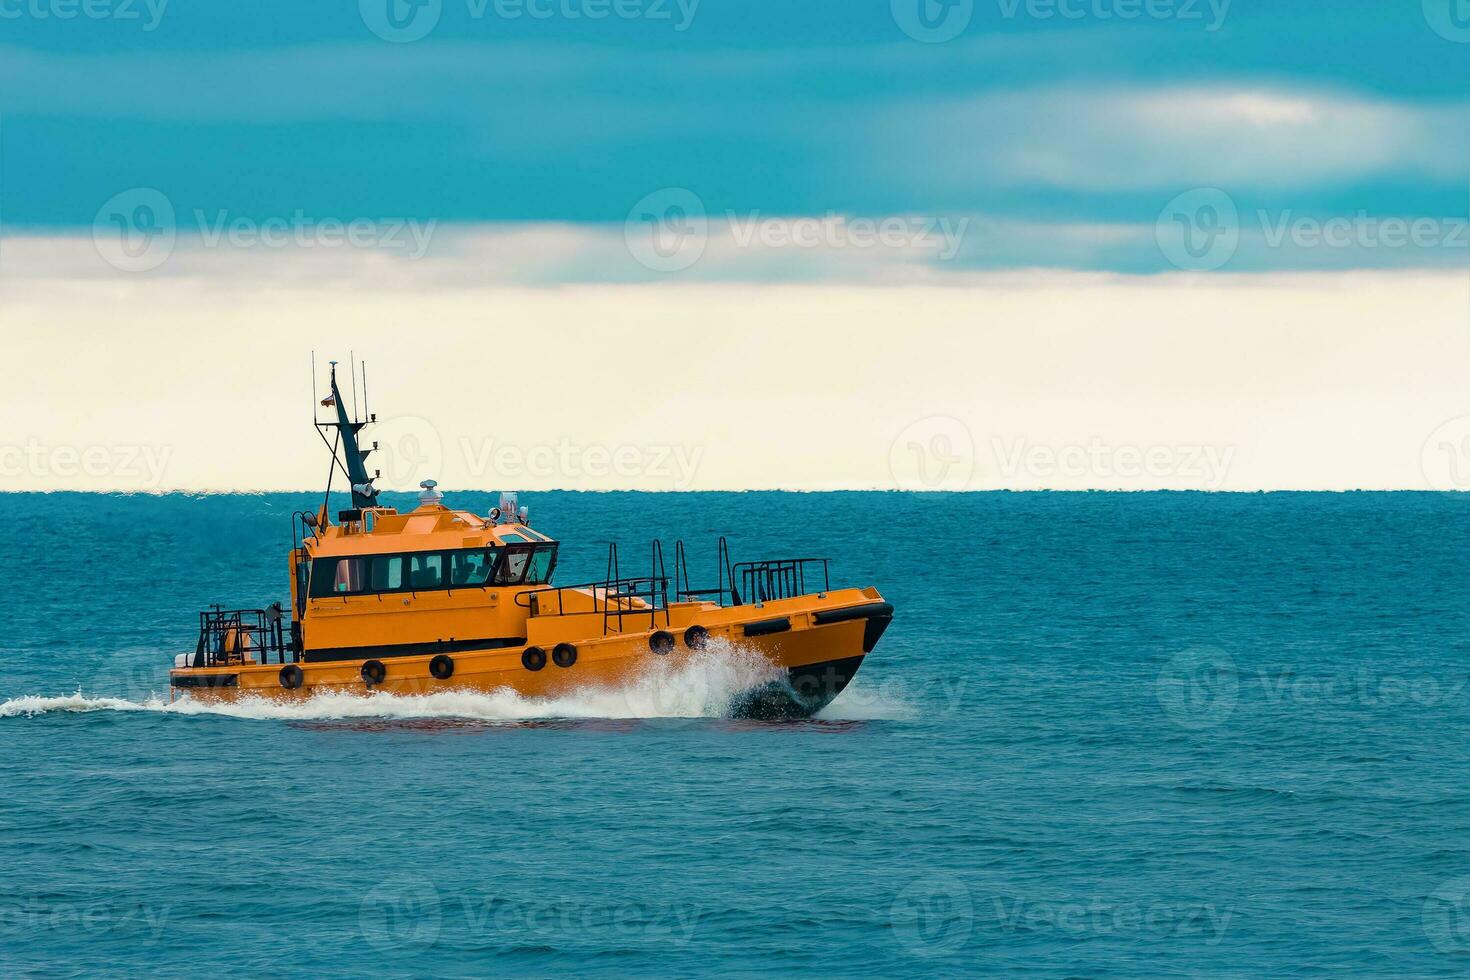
1108	735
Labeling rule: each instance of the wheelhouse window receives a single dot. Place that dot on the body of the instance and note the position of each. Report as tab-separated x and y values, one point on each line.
387	573
425	571
471	568
303	579
526	565
540	571
513	568
338	576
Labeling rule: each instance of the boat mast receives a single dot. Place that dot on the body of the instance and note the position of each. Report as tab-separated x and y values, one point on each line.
364	494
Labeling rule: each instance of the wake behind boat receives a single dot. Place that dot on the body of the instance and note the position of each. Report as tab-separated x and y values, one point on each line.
440	599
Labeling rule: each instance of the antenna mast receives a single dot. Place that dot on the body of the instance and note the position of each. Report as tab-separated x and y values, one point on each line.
364	494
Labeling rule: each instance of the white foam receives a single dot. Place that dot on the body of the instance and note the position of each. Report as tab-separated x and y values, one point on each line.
700	687
865	700
34	704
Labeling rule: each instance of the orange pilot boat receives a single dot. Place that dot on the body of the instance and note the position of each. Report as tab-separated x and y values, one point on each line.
439	599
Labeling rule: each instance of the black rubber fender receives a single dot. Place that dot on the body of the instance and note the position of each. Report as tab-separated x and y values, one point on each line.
292	677
869	611
533	658
564	654
766	627
442	667
661	642
374	672
696	637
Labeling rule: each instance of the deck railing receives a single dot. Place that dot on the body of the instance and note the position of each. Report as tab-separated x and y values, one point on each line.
752	581
779	578
615	598
231	636
618	599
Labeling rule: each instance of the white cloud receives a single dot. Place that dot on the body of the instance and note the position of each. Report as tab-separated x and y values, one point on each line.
752	247
747	247
1128	139
529	103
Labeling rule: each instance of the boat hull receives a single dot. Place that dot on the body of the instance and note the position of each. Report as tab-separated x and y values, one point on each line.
816	646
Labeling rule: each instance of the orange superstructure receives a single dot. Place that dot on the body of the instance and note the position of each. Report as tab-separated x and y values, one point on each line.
438	598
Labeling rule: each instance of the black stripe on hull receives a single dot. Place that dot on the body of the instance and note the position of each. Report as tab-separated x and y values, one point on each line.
429	649
805	691
205	680
873	632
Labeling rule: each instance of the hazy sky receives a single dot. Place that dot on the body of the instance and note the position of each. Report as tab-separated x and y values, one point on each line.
685	245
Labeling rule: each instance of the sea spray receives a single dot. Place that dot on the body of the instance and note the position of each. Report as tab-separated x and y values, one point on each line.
700	686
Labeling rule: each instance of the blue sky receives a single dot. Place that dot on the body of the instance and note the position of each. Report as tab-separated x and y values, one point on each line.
1061	138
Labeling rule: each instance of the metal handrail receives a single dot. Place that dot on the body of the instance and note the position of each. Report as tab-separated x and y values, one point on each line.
617	594
613	599
751	581
779	578
617	598
227	635
682	587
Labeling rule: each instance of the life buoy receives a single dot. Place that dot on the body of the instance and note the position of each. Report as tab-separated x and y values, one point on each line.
534	658
291	677
695	637
442	667
373	672
564	654
661	642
